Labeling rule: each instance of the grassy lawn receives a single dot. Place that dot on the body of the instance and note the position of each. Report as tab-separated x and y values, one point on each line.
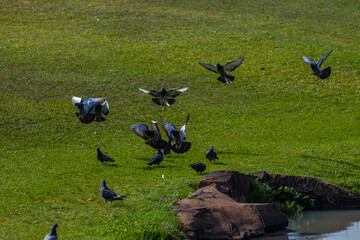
278	119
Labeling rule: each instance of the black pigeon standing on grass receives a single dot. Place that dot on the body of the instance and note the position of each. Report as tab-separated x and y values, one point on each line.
109	195
157	158
325	73
198	167
163	97
103	158
52	234
152	137
211	155
180	146
228	67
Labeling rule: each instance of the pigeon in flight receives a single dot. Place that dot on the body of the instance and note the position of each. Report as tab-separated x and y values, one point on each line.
163	97
103	158
152	137
180	146
109	195
52	234
325	73
211	155
198	167
87	108
157	158
228	67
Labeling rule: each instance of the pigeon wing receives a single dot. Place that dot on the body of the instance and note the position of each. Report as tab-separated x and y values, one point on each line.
140	130
107	158
152	92
308	60
76	100
322	58
209	67
155	128
182	129
176	91
108	194
105	107
231	66
99	99
168	128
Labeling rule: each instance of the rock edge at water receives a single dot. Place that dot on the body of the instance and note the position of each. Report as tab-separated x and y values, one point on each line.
218	209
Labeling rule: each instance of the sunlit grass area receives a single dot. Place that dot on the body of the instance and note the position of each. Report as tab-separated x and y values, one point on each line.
276	116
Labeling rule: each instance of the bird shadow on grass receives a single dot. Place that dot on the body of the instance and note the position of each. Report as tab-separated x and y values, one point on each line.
308	157
168	158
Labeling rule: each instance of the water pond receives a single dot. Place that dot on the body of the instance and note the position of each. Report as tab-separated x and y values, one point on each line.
325	225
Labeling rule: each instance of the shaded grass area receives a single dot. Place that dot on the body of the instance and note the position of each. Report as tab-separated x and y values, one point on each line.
279	119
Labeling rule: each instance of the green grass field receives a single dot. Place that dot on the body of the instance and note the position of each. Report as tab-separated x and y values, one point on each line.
280	119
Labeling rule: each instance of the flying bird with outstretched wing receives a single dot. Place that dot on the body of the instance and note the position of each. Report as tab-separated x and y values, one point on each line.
325	73
162	96
223	70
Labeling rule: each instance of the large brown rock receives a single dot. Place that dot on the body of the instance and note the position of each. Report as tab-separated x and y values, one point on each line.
325	194
210	214
236	185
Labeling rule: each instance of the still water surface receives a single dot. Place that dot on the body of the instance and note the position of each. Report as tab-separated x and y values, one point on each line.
326	225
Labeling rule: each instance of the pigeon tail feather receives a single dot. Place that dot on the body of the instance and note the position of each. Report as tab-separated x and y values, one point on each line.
325	73
226	79
181	148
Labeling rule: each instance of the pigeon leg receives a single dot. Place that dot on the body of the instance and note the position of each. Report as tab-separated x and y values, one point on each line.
110	204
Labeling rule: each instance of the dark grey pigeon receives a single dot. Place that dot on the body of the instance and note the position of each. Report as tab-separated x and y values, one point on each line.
163	97
211	155
198	167
157	158
222	70
101	109
52	234
86	108
103	158
109	195
152	137
180	146
325	73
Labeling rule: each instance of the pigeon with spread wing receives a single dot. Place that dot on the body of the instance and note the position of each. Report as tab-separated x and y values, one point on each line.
325	73
162	96
222	70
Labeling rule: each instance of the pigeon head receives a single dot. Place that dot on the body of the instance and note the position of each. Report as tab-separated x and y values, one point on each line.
103	184
212	147
163	91
98	149
53	229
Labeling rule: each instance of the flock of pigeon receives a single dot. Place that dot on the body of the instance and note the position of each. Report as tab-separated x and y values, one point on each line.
92	109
